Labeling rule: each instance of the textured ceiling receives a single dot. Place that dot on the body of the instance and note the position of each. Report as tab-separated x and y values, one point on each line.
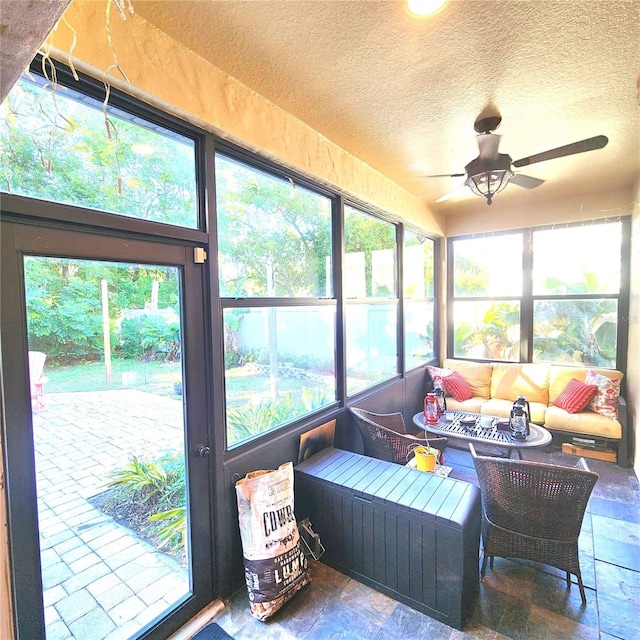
402	93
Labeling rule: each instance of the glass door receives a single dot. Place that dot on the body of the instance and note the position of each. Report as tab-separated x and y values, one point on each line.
116	415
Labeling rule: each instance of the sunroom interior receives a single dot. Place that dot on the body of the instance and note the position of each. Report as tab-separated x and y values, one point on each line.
234	98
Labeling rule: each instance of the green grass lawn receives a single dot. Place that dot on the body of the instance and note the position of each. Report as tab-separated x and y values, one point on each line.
159	377
155	376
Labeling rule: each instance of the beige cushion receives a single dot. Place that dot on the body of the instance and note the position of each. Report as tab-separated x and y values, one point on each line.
472	405
510	380
477	375
586	422
502	409
559	377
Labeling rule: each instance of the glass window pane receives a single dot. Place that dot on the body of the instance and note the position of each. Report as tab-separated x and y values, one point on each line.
577	260
279	366
418	267
487	330
370	256
488	267
371	337
418	327
576	331
58	146
274	236
109	440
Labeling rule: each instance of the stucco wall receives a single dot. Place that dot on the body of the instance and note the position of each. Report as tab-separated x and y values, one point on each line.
498	217
164	73
24	27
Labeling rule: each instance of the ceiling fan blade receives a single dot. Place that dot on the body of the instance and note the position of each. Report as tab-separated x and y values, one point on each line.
576	147
528	182
441	175
459	191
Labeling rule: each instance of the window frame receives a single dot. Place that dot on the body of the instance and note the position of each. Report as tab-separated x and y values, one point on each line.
528	299
205	236
136	109
452	299
224	466
339	203
253	162
374	300
436	295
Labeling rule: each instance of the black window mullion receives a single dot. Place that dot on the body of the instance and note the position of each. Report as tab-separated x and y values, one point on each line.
338	292
438	295
401	360
623	300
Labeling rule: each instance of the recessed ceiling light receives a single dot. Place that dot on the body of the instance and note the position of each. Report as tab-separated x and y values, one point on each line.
425	7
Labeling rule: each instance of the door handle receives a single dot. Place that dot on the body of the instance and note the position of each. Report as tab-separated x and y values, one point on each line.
203	451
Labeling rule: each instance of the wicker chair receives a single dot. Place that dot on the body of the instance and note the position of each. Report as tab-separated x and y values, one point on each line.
533	511
384	436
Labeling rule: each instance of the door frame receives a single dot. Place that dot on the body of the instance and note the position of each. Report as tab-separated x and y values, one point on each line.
17	239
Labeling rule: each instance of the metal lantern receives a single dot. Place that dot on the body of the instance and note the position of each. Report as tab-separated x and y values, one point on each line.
431	408
442	401
519	418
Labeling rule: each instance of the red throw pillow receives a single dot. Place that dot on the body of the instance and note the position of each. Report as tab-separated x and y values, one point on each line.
457	386
576	396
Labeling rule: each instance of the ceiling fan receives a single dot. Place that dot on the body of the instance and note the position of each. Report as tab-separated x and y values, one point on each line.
491	171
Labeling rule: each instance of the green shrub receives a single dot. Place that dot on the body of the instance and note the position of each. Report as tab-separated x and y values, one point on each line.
67	327
254	419
160	485
149	337
174	533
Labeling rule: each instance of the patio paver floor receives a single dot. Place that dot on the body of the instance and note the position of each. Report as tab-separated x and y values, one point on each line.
100	581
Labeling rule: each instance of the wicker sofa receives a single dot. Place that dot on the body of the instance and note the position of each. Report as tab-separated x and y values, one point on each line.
495	385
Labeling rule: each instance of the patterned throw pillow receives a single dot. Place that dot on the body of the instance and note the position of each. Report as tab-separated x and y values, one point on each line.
437	375
605	399
575	396
457	386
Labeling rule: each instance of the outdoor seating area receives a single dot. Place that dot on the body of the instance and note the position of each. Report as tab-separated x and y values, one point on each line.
513	595
385	436
517	598
37	379
533	511
490	388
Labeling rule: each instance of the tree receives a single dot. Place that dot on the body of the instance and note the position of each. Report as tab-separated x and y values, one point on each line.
366	234
583	331
265	222
63	310
496	338
57	148
64	304
470	277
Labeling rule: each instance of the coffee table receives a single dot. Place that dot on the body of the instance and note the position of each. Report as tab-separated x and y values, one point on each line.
538	436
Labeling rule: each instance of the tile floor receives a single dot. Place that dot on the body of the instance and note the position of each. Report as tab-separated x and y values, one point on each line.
518	600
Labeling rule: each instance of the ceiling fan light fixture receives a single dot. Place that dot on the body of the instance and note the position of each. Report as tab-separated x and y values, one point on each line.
489	183
425	7
487	176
